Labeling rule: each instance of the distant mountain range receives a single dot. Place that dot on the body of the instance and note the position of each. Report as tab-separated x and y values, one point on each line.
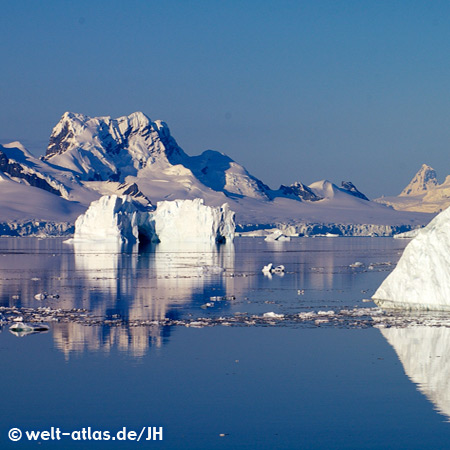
133	155
423	193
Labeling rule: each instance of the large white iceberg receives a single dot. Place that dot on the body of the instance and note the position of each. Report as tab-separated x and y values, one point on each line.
113	218
119	219
421	279
191	220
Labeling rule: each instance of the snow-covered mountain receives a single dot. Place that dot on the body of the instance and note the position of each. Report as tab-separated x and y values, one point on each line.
90	157
105	149
424	180
423	193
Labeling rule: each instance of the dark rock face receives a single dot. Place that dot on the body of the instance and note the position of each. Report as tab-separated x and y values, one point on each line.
301	191
16	170
59	143
134	191
350	188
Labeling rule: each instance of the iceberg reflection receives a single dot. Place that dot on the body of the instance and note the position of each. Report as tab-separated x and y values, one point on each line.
424	352
160	282
135	291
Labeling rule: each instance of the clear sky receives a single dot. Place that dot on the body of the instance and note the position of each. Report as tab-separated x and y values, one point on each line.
293	90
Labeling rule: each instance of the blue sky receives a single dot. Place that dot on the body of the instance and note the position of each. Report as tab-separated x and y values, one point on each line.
294	91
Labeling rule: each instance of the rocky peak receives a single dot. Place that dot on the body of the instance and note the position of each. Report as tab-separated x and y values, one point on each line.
424	180
299	191
102	148
350	188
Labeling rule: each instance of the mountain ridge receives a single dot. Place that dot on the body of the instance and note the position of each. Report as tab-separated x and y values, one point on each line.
94	156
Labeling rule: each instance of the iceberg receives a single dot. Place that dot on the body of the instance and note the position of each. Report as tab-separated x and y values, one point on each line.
114	218
122	220
277	236
193	221
421	279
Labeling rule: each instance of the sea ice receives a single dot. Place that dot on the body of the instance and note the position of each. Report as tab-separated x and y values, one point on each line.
421	279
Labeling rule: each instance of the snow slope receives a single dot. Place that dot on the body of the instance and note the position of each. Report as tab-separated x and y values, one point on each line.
27	210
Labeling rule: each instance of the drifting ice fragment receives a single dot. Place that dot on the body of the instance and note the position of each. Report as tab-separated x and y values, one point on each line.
356	264
272	315
421	279
23	329
277	236
270	269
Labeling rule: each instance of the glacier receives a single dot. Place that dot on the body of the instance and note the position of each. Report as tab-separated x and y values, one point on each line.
421	279
120	219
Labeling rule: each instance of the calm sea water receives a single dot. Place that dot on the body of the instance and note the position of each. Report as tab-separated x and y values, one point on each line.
177	337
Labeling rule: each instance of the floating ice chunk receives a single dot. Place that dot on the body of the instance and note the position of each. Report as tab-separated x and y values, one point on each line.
23	329
325	313
211	269
421	279
270	269
357	264
307	315
277	236
272	315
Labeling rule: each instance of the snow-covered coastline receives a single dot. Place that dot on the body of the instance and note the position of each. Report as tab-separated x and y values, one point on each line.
89	157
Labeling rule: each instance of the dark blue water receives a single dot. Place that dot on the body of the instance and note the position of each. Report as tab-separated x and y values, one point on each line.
284	386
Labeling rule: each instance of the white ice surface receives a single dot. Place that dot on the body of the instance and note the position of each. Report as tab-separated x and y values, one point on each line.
192	220
120	219
421	279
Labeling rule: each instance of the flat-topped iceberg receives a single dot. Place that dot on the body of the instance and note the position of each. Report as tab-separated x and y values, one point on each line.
192	220
421	279
120	219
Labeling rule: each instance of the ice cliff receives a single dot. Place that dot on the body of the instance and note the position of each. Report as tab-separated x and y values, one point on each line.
421	279
191	220
115	218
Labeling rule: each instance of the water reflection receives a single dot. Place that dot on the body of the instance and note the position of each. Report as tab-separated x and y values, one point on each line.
110	281
122	289
424	352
